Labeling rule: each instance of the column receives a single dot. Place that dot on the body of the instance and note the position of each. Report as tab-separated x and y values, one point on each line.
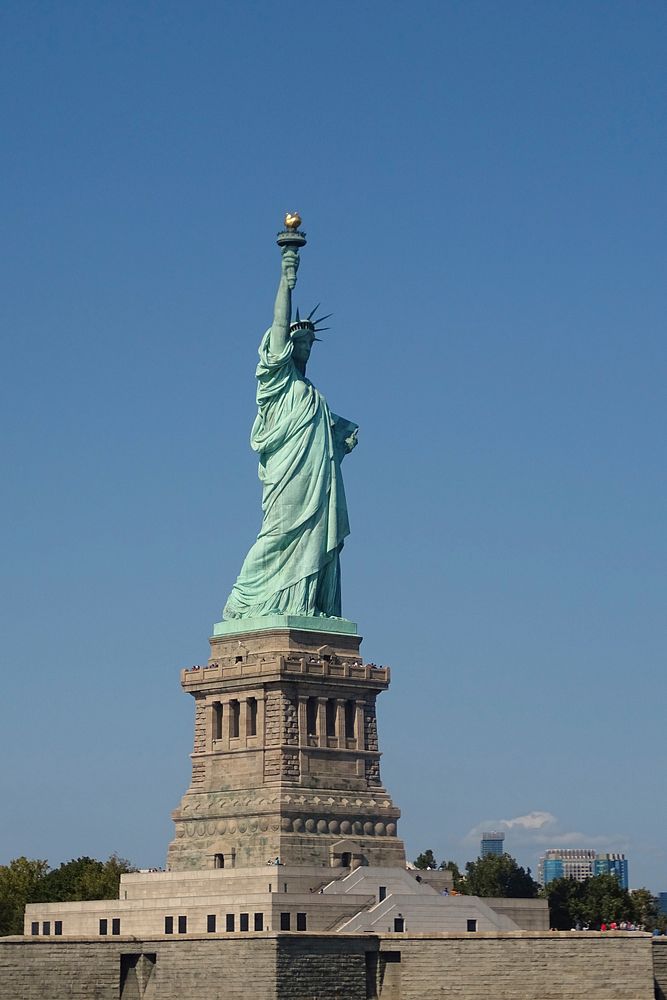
261	702
359	725
243	722
303	721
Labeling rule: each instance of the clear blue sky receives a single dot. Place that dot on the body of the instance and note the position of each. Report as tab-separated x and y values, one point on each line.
483	186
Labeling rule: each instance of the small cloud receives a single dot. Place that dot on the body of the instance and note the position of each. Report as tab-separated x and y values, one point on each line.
541	830
533	821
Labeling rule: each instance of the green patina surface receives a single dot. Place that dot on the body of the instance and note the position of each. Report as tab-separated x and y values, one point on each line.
236	626
293	569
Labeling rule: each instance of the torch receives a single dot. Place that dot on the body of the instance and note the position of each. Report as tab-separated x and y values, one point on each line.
291	239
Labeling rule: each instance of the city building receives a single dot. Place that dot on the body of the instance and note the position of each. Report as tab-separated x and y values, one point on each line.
612	864
580	864
662	902
492	843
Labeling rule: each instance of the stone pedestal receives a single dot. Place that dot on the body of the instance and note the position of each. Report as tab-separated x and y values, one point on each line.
286	761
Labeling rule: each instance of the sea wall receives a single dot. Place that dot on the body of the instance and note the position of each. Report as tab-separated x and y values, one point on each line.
519	965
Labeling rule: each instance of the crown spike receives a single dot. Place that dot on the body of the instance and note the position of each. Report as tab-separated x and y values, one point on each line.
298	318
313	311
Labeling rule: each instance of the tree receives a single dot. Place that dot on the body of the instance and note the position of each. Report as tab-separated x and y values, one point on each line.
597	900
499	875
28	881
84	878
646	909
565	909
459	881
426	860
19	884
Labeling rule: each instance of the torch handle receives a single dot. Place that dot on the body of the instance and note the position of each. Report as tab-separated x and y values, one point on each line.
290	270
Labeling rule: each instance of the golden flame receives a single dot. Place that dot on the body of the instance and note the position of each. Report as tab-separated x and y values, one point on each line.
292	220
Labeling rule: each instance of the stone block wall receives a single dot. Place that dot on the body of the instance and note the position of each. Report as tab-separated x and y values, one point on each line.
521	965
660	967
219	969
47	970
269	966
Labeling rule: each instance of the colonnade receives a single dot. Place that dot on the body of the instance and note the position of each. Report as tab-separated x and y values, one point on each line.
333	722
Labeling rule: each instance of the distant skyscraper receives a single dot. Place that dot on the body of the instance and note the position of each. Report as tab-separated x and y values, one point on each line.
492	843
613	864
580	864
571	863
662	902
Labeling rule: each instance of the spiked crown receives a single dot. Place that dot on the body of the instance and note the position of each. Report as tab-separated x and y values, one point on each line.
308	327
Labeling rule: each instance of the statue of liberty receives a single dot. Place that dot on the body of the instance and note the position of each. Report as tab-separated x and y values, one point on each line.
294	566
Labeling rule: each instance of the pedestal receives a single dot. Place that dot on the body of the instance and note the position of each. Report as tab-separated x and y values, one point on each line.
286	760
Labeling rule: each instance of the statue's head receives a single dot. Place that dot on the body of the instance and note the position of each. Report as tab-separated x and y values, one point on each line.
303	336
302	333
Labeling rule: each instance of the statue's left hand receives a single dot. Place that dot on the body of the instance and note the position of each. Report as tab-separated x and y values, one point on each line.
351	442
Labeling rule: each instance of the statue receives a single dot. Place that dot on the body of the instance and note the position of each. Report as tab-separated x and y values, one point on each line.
294	566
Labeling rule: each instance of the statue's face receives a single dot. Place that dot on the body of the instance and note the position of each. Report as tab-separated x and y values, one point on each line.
301	349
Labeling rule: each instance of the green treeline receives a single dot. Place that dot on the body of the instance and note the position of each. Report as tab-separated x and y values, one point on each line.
25	880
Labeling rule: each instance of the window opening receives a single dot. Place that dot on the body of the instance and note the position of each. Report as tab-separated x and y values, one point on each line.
103	926
34	927
259	921
471	925
229	922
252	717
169	925
382	893
331	717
46	927
217	720
399	924
311	716
58	927
301	921
218	861
115	925
285	921
234	719
210	923
182	925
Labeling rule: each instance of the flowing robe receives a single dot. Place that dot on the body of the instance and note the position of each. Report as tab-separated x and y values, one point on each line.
294	567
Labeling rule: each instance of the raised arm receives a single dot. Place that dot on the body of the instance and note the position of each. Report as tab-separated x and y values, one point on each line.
282	311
